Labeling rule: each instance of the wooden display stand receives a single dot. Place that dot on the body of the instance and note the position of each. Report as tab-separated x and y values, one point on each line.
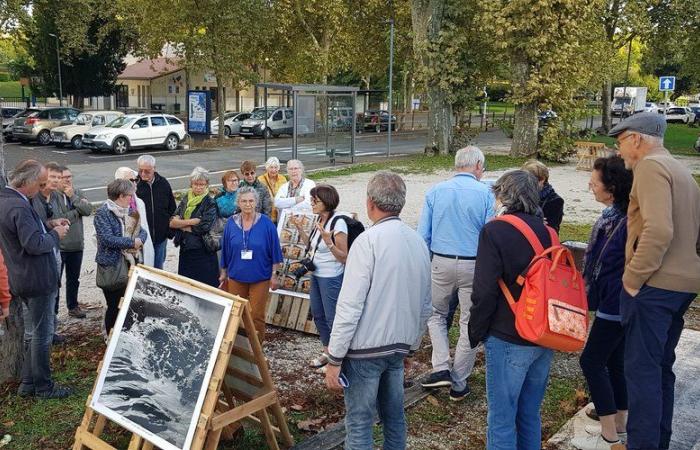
588	152
291	312
240	389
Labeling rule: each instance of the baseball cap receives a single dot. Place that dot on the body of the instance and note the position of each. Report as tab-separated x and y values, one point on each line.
649	123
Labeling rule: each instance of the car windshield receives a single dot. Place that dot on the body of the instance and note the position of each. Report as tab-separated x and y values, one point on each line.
622	100
120	122
261	114
83	119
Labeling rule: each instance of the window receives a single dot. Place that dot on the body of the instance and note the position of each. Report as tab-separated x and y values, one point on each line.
98	120
158	121
288	113
277	116
141	123
173	120
57	114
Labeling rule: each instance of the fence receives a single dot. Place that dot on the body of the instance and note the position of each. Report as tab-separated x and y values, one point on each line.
22	102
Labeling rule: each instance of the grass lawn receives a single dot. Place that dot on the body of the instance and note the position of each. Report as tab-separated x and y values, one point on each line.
680	139
12	89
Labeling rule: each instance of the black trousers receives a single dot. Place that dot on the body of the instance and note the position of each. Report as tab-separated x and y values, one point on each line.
112	298
603	365
72	261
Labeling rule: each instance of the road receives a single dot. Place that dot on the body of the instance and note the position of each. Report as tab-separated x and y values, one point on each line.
92	171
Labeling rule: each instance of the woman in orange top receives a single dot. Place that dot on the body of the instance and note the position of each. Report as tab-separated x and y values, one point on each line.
273	181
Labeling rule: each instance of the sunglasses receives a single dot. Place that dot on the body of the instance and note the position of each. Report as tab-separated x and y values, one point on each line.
133	180
249	173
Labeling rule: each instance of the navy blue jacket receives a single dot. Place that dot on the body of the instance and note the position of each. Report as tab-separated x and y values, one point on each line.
110	241
27	248
604	290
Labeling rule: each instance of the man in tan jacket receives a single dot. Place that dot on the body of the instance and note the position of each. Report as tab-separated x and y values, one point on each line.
662	274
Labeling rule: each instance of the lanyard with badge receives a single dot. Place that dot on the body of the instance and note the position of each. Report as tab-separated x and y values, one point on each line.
246	254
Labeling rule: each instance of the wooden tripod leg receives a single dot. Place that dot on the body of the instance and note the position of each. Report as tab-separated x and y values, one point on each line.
282	424
99	425
147	446
135	442
267	428
213	437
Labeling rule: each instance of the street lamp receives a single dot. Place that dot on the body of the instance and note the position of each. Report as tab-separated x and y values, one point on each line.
391	76
58	62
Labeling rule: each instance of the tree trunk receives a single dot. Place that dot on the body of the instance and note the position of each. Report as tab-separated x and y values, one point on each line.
427	17
524	130
606	113
220	105
11	344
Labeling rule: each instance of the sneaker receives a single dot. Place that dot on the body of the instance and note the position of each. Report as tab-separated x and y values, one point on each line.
438	379
77	313
58	339
458	396
56	392
25	392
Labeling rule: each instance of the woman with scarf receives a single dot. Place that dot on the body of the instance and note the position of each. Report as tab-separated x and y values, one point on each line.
295	195
226	199
193	219
137	204
119	239
602	360
273	181
552	205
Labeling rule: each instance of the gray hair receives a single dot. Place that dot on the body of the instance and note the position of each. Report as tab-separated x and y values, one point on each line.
517	190
469	156
387	191
273	161
125	172
120	187
248	190
653	140
297	162
26	172
147	160
199	174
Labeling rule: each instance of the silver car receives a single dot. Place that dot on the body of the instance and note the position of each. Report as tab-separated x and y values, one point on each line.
269	123
232	123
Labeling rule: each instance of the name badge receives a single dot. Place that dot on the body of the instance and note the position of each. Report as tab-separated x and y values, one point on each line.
246	254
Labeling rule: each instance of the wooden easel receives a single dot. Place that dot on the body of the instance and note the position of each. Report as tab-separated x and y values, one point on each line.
234	394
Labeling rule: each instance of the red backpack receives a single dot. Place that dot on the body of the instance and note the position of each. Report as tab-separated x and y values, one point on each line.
552	310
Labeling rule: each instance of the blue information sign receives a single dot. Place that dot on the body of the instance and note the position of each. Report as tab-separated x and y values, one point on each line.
667	83
198	112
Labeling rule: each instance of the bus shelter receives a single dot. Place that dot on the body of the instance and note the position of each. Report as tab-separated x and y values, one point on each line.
320	119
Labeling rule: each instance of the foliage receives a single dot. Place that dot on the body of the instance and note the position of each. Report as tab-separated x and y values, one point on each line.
11	13
506	126
556	142
93	45
679	139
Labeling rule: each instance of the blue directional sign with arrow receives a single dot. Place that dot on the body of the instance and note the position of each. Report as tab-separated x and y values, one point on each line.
667	83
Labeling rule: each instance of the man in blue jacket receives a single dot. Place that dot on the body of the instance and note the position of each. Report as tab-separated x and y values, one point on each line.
30	256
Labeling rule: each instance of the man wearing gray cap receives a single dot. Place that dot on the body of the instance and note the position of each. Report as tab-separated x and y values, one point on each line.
662	274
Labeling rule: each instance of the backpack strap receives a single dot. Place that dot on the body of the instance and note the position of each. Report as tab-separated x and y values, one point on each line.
525	230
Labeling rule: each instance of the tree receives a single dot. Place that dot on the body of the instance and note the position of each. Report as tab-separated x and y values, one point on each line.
93	44
549	45
11	13
217	36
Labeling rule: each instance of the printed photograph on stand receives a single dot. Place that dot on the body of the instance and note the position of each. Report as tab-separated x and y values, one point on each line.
160	357
294	280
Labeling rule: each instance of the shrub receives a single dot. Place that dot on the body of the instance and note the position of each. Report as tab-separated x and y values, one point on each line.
556	142
506	126
4	76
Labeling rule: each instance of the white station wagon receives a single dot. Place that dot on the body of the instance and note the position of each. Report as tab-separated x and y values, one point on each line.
73	134
134	131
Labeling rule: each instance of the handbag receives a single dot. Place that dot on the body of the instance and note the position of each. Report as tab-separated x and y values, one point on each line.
113	278
212	240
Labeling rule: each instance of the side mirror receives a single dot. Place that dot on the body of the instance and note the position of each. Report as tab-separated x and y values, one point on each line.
136	125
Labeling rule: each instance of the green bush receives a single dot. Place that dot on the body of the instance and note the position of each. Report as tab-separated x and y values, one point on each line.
462	136
506	126
557	142
4	76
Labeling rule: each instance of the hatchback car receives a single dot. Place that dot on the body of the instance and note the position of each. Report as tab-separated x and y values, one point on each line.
232	123
269	123
37	125
681	114
73	134
134	131
378	120
8	119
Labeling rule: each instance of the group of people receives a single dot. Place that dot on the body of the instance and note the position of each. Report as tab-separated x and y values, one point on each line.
373	303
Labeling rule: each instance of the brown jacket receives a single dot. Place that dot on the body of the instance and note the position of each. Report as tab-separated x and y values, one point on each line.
663	226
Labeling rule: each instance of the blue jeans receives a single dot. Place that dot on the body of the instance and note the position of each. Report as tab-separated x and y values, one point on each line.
653	321
516	378
375	384
159	254
38	314
324	297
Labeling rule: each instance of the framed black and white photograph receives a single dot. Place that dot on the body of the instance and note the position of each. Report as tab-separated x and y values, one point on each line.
160	358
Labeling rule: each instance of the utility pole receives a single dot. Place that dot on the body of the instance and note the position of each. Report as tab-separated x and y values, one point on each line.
58	61
391	76
627	75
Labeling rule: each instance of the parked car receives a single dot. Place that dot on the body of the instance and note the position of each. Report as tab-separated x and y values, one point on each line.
377	120
697	145
232	123
73	134
8	118
134	131
37	126
696	111
269	123
681	114
651	107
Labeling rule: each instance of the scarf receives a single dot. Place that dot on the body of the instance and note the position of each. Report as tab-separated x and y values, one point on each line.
117	210
292	191
192	202
603	227
547	192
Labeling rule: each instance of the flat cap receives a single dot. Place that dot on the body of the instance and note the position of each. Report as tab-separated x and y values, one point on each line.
649	123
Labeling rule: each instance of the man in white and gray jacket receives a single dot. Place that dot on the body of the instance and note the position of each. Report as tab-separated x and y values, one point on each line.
381	316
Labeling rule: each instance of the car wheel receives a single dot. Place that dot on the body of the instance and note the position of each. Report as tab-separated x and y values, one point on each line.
227	131
171	142
44	137
77	142
120	146
267	134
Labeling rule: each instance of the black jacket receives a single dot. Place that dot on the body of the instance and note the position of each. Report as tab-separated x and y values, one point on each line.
553	209
27	248
206	212
160	206
503	252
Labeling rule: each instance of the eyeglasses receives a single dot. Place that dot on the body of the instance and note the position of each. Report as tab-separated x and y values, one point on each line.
619	141
249	173
133	180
